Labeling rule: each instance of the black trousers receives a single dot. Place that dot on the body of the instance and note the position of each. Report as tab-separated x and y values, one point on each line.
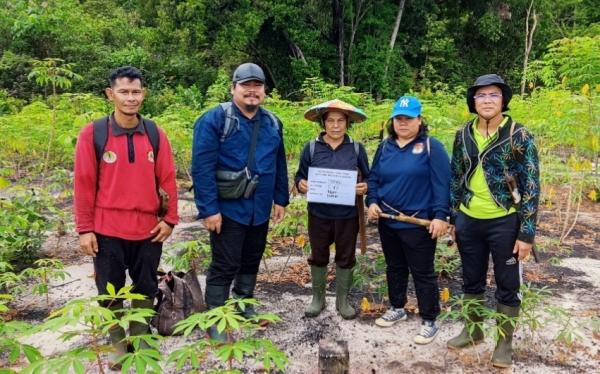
139	257
237	249
411	250
476	239
324	232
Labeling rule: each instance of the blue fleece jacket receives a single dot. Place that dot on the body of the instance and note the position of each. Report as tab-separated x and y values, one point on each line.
412	179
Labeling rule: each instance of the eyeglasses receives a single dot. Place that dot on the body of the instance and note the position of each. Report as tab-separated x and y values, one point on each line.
493	96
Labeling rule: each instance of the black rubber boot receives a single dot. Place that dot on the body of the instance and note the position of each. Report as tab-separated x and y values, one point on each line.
467	336
215	297
140	328
116	336
502	356
243	288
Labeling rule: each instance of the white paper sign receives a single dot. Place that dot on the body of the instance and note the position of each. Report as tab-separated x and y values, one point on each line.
332	186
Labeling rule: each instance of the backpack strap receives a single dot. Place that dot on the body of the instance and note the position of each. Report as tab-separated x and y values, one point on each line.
153	135
230	119
510	135
312	143
428	142
274	120
356	146
311	148
100	136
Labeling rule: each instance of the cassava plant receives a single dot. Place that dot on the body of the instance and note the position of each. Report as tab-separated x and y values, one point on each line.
241	345
10	338
86	319
45	270
56	74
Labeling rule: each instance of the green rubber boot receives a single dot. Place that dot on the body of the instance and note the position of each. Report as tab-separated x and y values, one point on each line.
472	332
140	328
502	356
116	337
319	281
343	284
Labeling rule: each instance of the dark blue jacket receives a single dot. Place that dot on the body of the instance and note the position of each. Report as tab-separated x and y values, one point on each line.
210	155
344	157
411	180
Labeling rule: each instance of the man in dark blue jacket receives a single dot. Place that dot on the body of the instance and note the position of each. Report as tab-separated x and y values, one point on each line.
238	226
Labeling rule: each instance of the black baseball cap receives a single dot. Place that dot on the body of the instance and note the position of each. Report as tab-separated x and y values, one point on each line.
248	72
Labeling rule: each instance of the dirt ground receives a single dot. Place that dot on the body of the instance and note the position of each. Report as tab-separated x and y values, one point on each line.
574	279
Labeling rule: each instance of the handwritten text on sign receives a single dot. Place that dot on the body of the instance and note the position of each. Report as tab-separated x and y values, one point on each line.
331	186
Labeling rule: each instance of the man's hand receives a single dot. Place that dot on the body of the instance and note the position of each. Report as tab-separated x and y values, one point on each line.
161	232
278	213
213	223
437	228
523	249
361	188
88	244
303	186
374	211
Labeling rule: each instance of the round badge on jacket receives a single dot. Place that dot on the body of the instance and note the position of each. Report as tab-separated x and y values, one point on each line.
109	157
151	156
418	148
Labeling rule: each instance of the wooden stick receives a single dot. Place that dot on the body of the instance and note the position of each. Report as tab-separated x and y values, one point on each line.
404	218
362	229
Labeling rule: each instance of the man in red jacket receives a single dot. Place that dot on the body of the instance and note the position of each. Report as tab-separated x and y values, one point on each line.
116	198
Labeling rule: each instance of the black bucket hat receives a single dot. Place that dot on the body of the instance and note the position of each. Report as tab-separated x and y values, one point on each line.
489	80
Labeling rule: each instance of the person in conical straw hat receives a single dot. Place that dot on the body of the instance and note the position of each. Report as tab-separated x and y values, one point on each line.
330	223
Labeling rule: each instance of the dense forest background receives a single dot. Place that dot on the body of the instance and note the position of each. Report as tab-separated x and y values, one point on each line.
381	47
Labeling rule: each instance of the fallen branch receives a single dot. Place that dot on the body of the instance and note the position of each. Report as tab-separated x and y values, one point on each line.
64	284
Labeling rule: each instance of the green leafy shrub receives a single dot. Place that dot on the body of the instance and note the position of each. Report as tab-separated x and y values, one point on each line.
23	226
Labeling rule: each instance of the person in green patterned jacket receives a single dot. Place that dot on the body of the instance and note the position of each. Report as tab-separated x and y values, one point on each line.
494	194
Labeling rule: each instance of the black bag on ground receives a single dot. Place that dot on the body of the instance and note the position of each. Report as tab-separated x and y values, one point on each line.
179	296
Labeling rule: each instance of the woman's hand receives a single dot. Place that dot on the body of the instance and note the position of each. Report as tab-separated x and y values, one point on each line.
437	228
361	188
303	186
374	211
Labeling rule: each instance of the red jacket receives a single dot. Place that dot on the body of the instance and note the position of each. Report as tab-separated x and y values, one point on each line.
124	202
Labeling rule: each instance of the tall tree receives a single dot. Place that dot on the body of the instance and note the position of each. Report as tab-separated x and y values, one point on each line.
531	14
361	8
394	34
337	12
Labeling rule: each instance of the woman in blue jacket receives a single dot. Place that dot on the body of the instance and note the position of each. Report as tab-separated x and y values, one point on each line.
410	175
330	223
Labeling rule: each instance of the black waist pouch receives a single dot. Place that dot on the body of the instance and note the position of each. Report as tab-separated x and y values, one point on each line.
236	184
232	184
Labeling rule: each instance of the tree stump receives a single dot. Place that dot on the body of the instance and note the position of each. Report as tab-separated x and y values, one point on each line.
334	357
